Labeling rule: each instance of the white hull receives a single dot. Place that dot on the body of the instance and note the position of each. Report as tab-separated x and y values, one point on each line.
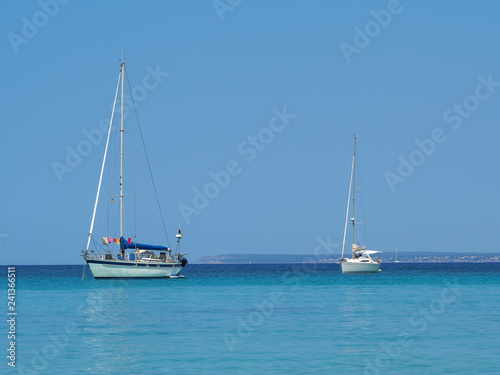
354	266
130	269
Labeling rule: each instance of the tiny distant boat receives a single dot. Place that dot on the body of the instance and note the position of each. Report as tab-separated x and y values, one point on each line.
397	261
142	261
361	260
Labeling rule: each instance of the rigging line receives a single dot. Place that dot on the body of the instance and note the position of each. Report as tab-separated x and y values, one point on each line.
112	172
103	163
365	234
107	217
109	214
98	245
147	159
347	210
134	188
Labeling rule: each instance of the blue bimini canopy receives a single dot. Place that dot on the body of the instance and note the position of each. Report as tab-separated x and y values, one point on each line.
133	245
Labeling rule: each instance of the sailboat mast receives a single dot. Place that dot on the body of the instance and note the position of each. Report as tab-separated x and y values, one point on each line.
121	153
353	187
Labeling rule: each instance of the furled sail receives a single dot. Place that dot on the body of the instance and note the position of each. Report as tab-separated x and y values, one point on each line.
134	245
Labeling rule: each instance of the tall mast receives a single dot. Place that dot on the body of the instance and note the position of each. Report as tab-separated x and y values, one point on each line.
353	187
121	153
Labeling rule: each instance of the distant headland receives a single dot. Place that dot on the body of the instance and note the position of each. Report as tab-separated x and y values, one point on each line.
387	257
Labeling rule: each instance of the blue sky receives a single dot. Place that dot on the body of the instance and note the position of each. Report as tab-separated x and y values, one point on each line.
418	81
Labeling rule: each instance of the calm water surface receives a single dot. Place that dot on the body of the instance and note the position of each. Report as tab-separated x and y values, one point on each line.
259	319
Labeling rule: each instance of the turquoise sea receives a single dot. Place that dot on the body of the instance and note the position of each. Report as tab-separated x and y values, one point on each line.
441	318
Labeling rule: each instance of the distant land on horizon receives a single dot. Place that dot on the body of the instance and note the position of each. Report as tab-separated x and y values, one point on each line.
388	257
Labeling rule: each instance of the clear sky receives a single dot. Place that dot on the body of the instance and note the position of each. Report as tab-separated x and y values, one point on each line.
271	91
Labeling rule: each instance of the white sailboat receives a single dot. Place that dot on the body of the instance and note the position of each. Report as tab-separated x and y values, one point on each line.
361	260
142	261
